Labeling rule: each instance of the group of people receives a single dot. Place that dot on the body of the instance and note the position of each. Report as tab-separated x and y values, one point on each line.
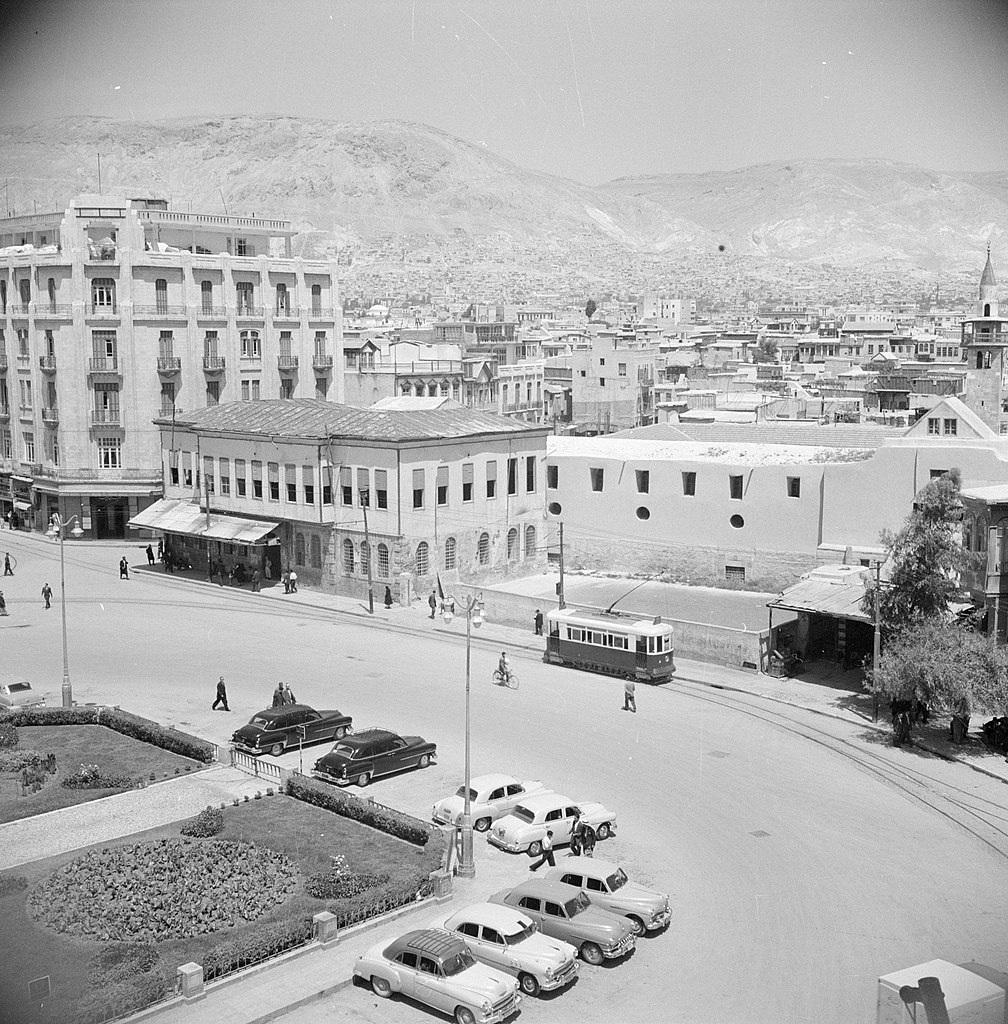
282	695
582	843
289	580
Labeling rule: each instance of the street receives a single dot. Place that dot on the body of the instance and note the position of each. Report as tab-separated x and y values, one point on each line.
804	856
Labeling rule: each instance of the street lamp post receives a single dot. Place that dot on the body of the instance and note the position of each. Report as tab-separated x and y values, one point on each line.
473	611
57	528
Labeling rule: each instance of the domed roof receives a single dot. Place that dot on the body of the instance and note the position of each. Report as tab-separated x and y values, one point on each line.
987	277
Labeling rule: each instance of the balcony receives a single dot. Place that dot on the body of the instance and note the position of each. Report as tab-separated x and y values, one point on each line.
161	311
169	412
322	363
19	310
23	360
52	311
26	412
322	313
3	362
102	311
287	314
167	365
250	313
104	367
50	414
106	418
4	413
287	363
213	364
212	313
47	364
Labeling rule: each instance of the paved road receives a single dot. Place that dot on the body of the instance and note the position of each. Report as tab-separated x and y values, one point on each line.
803	858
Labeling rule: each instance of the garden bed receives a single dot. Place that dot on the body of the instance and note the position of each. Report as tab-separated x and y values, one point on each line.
306	837
113	753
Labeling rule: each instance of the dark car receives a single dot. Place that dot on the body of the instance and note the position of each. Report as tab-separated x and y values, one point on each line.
277	729
364	755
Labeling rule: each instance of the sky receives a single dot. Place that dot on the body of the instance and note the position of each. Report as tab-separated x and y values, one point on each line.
587	89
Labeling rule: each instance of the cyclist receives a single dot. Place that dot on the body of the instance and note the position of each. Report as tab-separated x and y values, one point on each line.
504	667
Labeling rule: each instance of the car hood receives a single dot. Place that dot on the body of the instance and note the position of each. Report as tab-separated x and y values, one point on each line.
600	921
542	948
490	982
595	813
633	894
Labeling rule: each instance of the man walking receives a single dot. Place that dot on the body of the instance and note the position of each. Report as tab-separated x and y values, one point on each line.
3	604
7	568
588	838
432	601
278	696
538	622
150	555
547	852
123	568
629	700
288	696
46	593
221	695
255	581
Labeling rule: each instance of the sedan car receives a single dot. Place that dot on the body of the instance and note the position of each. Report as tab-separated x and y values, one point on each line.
362	756
525	827
490	797
436	968
277	729
607	886
566	913
20	695
506	938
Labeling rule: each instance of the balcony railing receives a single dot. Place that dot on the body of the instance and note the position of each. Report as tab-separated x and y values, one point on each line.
53	311
169	411
51	472
47	363
3	362
287	314
50	414
103	309
161	310
213	364
4	412
169	364
211	313
322	362
106	418
23	360
26	412
250	313
19	309
322	313
287	364
104	365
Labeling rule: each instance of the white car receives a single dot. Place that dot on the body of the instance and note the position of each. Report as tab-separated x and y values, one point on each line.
20	695
490	797
506	938
524	829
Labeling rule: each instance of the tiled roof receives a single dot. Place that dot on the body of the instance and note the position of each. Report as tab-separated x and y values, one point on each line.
315	418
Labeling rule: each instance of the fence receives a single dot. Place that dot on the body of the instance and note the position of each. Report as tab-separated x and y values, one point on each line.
260	769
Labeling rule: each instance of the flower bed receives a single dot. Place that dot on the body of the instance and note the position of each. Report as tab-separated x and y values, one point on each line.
88	776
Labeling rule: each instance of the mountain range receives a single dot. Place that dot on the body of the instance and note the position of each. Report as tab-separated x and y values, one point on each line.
349	184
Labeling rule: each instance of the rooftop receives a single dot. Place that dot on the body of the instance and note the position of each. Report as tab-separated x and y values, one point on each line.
771	432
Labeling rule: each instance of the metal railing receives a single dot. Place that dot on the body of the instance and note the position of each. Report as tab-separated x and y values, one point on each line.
53	311
3	362
169	364
160	310
50	472
321	362
322	313
106	417
50	414
287	362
213	364
260	769
19	309
250	313
211	313
104	364
287	313
47	363
102	309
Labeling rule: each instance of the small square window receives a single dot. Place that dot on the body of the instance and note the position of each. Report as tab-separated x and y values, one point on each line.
735	573
689	484
951	426
934	425
794	486
597	478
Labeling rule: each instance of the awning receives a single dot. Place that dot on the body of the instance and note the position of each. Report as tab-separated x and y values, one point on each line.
176	516
23	506
21	479
835	598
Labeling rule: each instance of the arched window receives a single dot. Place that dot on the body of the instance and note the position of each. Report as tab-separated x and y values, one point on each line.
299	549
512	544
456	390
405	388
449	553
383	563
483	548
987	360
979	361
365	557
422	558
504	396
316	553
530	542
444	388
348	557
986	309
432	390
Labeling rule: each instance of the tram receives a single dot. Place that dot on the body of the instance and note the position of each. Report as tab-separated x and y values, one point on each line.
610	643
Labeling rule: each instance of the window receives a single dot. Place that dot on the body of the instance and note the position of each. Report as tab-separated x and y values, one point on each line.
735	573
512	465
530	903
418	488
208	473
530	474
103	347
286	388
161	295
225	476
483	548
491	478
442	485
316	552
601	361
110	453
106	398
794	486
467	481
210	345
689	484
643	512
449	553
737	522
601	381
206	296
381	488
383	561
255	389
26	394
937	474
251	346
365	558
240	477
346	485
316	301
245	392
308	476
103	294
597	478
512	545
934	425
950	426
290	479
8	445
422	558
735	487
552	476
621	369
530	541
273	472
643	481
257	491
282	300
167	399
299	549
29	446
348	556
364	487
243	294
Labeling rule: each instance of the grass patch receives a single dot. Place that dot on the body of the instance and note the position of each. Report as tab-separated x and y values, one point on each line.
74	745
309	836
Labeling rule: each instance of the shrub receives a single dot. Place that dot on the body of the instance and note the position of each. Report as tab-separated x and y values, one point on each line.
207	823
121	960
8	736
251	947
334	885
17	760
12	883
88	776
120	998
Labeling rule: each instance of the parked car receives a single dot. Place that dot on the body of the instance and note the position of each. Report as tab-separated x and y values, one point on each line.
490	797
436	968
274	730
503	937
566	913
526	826
363	756
20	695
607	886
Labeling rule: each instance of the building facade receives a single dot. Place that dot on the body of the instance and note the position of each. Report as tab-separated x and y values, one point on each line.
119	310
983	343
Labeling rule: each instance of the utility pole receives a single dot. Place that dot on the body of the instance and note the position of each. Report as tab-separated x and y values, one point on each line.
99	173
560	585
206	487
877	646
365	497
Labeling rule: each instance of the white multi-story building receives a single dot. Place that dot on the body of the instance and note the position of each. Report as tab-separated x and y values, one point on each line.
119	310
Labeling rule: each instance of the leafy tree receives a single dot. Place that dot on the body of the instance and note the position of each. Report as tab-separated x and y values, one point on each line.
590	307
766	350
469	313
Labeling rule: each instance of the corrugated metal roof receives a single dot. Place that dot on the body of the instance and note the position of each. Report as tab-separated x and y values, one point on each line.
312	418
837	598
176	516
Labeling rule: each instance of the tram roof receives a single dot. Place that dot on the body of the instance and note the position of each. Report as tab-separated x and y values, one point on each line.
612	623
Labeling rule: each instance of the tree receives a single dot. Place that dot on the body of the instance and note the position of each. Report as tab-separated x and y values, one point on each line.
766	350
590	308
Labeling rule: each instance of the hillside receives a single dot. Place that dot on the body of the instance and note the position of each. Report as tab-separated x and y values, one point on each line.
343	183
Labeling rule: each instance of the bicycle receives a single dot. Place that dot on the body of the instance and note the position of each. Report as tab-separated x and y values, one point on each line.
510	681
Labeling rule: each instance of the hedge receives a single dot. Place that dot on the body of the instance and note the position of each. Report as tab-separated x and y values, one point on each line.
266	941
120	961
121	998
8	736
206	824
118	720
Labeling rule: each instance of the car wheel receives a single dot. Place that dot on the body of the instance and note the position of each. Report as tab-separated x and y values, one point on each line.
591	953
529	985
277	749
482	825
340	733
363	779
424	760
604	831
463	1015
535	849
380	987
636	923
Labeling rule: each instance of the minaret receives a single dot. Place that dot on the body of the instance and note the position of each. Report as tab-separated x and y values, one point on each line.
983	344
988	304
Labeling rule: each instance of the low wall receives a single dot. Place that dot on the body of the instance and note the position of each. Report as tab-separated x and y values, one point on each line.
698	641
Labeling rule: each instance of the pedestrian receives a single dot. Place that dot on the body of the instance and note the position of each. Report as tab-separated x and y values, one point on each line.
3	604
629	700
278	695
221	695
8	569
160	549
538	622
293	582
267	571
388	596
286	582
255	580
123	568
432	601
288	696
576	836
150	555
547	852
588	838
46	593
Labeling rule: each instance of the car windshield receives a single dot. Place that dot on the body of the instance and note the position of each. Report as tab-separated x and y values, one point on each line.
461	793
524	813
345	750
458	963
577	904
617	880
521	936
17	687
